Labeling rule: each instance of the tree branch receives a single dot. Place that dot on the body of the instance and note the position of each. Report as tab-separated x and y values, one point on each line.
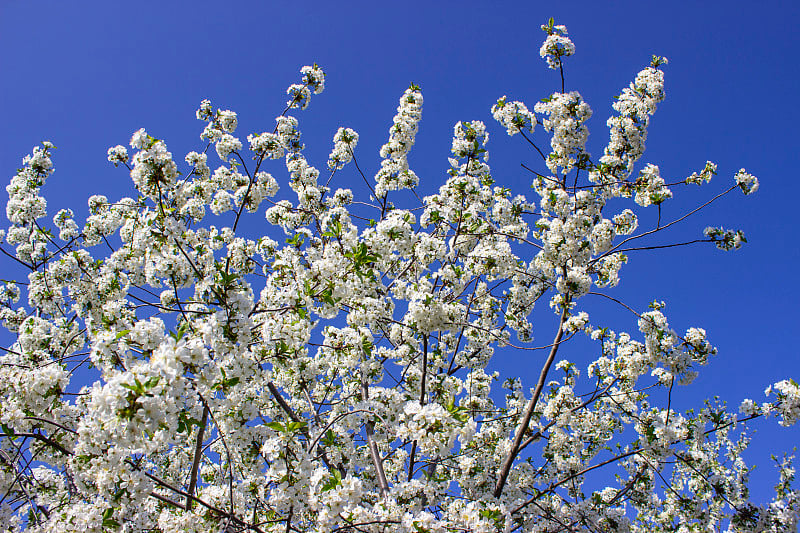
526	417
198	453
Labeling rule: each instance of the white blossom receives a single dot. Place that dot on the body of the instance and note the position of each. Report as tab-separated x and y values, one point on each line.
171	365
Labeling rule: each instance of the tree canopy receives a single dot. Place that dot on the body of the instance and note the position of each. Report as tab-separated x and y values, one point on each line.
171	371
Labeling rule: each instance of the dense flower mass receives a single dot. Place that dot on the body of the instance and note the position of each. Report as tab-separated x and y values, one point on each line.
394	173
169	368
556	45
514	116
344	142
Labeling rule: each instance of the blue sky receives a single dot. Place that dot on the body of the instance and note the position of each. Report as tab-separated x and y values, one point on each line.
85	75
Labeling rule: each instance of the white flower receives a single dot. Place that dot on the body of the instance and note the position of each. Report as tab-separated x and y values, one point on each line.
118	154
226	145
650	187
746	182
556	45
140	139
513	116
227	120
313	77
344	142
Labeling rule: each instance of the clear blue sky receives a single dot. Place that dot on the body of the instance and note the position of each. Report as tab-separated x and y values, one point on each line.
86	74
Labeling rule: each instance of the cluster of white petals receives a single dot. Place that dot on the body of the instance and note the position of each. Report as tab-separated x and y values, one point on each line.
746	182
629	128
344	142
313	81
394	173
556	45
566	119
650	187
704	176
514	116
168	367
725	239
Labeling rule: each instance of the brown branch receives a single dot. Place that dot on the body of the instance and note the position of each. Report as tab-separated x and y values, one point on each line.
282	403
373	447
526	417
198	453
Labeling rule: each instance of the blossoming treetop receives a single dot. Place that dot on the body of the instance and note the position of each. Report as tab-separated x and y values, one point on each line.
334	379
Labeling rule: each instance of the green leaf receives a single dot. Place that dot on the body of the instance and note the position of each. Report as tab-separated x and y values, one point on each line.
185	422
332	482
225	382
277	426
129	387
291	427
329	439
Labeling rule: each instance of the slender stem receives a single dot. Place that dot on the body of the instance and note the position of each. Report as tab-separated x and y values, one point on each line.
369	185
659	247
665	226
544	157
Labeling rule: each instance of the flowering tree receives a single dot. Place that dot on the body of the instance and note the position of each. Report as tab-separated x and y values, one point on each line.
335	381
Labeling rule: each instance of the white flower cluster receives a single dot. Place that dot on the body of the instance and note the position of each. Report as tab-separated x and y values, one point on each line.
227	120
629	129
746	182
394	173
153	170
67	227
556	45
288	133
314	78
336	380
787	393
513	116
626	222
269	145
705	175
26	205
300	93
118	154
226	145
469	140
650	187
344	142
576	323
200	163
567	116
725	239
221	124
